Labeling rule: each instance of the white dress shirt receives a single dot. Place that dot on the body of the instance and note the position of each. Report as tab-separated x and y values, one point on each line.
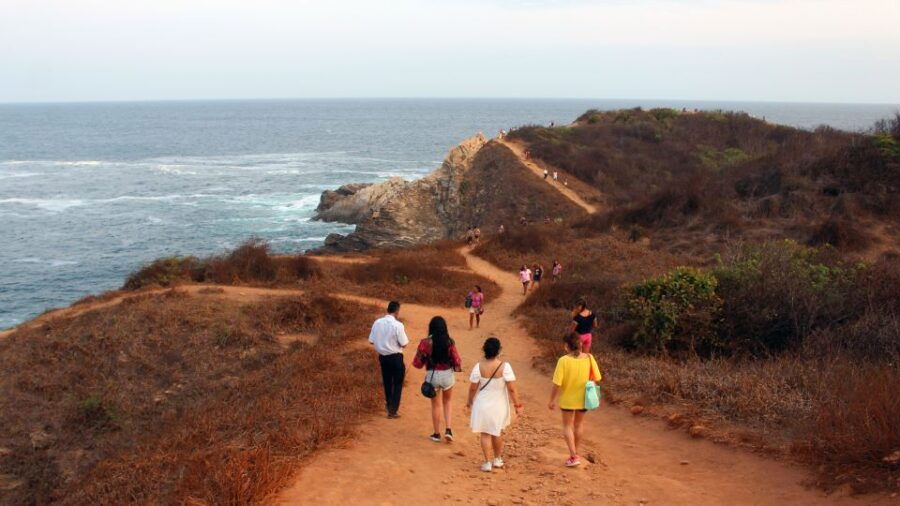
388	335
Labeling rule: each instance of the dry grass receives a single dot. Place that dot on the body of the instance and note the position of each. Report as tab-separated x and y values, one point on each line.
172	398
432	274
413	281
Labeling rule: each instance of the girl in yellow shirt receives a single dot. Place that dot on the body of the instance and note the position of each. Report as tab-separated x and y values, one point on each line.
573	370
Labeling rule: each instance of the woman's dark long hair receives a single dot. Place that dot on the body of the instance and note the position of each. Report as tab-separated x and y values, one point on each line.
440	340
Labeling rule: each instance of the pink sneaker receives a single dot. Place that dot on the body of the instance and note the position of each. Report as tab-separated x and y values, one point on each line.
573	461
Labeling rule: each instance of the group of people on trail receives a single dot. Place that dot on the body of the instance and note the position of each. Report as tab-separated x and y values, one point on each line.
473	235
531	277
493	394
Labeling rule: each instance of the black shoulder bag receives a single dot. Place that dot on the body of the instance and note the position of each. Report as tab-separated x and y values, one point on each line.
428	389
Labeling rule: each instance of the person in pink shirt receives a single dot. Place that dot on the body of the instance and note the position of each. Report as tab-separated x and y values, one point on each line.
525	278
476	306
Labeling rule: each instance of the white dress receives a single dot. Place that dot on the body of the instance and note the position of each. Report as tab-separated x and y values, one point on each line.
491	412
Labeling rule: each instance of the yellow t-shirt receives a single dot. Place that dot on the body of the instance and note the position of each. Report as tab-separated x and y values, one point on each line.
570	376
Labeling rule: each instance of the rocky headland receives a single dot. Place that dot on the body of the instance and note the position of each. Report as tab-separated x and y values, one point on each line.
480	182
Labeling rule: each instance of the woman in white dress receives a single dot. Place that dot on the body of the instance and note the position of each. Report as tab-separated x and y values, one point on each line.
493	383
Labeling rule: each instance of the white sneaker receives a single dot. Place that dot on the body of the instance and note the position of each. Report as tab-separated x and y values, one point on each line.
498	462
486	467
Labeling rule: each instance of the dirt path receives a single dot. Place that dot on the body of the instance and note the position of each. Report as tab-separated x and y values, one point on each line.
392	462
539	172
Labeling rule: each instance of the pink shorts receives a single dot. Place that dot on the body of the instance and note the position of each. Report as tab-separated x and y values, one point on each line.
585	342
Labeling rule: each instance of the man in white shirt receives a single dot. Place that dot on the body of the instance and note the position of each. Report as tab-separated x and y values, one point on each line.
388	336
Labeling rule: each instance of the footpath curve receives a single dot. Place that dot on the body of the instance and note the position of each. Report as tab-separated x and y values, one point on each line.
539	172
638	460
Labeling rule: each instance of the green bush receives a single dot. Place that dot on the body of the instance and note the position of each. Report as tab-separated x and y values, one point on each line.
776	294
674	313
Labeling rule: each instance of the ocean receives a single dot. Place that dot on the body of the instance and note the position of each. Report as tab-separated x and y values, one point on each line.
91	191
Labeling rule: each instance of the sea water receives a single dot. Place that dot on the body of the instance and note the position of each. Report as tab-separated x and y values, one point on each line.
89	192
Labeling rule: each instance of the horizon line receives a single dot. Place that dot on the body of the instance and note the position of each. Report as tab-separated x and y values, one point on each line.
326	98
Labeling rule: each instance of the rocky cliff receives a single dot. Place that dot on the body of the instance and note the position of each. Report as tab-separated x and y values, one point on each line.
480	182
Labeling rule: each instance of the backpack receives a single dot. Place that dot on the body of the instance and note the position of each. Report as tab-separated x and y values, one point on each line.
468	302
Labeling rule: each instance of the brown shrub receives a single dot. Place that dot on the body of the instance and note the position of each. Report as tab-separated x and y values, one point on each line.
842	234
402	277
248	262
165	272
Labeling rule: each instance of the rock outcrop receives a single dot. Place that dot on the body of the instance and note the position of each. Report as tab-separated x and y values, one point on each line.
335	206
480	182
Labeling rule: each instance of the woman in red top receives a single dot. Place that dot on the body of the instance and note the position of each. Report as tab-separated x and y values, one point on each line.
438	355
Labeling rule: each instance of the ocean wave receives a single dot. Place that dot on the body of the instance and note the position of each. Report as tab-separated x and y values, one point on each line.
20	174
175	169
52	205
296	240
37	260
62	163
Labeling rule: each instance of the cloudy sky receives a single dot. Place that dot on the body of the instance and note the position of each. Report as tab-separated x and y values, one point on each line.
786	50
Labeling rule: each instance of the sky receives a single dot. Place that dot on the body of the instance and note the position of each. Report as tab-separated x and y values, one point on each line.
767	50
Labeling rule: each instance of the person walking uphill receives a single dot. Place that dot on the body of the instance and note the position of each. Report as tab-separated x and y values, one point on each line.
493	383
584	321
438	355
573	371
388	336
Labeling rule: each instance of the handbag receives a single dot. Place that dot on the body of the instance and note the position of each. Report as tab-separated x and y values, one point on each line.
591	388
428	389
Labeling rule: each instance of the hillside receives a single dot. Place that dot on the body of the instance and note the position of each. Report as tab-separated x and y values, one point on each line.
695	179
746	277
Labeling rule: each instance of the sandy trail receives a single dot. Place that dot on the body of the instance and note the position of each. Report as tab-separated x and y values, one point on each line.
393	462
539	172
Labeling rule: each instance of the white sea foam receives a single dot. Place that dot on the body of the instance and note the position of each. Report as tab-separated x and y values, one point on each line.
176	169
28	260
62	163
52	205
15	175
38	260
60	263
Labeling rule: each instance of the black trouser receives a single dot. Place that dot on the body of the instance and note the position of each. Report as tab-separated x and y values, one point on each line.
392	371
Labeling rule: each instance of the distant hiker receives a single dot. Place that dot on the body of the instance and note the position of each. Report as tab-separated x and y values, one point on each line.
470	236
537	273
389	338
525	278
477	233
584	321
501	229
570	385
527	154
437	353
555	176
552	124
546	174
556	270
493	383
475	301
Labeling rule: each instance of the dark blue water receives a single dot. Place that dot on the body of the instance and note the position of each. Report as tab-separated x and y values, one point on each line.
89	192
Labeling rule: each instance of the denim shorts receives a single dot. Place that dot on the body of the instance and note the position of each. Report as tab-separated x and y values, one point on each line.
442	380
